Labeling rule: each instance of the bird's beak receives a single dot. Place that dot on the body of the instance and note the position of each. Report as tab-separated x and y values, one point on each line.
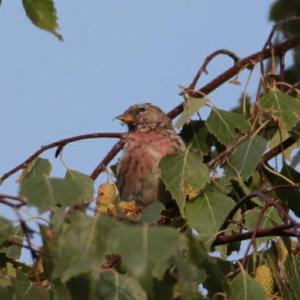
127	118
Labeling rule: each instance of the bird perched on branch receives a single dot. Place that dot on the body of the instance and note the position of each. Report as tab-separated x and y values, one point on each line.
151	136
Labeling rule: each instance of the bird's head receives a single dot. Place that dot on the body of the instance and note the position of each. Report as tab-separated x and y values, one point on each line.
145	117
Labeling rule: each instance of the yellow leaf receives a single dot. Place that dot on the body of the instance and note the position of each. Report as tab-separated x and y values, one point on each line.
282	251
190	191
106	199
264	277
129	209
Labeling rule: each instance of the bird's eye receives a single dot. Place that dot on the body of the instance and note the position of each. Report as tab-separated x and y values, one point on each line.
142	109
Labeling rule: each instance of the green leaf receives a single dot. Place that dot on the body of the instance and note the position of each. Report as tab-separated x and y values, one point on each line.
244	287
112	285
196	135
226	126
42	13
151	214
184	175
215	281
80	246
24	289
145	250
190	276
44	192
80	287
6	293
191	106
74	188
6	230
34	184
60	290
283	108
247	155
292	271
13	251
207	213
278	138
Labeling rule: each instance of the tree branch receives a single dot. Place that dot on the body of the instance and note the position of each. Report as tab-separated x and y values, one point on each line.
249	60
282	230
279	148
107	159
254	232
59	144
22	245
6	199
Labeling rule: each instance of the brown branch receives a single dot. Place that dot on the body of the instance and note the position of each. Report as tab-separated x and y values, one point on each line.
282	230
6	199
250	60
28	234
277	26
279	148
241	202
224	154
261	194
254	233
22	245
282	186
15	198
203	68
10	204
60	144
293	87
107	159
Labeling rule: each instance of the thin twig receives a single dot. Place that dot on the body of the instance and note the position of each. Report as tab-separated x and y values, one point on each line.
254	233
277	26
293	87
203	68
60	144
22	245
240	203
221	156
282	68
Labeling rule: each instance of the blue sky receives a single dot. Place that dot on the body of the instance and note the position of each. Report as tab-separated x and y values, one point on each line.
115	53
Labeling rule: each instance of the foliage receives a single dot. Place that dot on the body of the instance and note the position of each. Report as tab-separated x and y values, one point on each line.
42	13
231	193
280	12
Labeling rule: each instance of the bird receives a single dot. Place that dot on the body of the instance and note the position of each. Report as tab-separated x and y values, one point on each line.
151	136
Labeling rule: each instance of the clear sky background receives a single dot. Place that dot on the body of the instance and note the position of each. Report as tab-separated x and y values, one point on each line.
115	53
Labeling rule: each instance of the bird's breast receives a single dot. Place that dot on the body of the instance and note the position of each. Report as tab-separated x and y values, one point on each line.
152	143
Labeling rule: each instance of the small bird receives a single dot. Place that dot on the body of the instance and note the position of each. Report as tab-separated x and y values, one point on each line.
151	136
